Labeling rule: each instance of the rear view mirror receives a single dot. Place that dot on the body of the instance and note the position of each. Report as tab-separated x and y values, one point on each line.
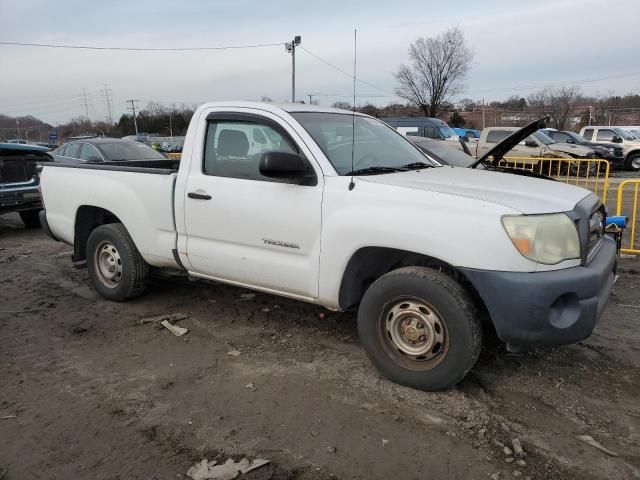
616	139
284	165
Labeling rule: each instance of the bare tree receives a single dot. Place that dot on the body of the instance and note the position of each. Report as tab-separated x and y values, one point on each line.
342	105
436	71
558	103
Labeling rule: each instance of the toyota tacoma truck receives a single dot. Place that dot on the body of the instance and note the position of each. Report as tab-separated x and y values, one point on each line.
339	209
19	180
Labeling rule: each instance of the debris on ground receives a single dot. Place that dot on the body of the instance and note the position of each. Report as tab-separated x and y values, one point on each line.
250	386
3	471
590	440
177	331
517	448
385	442
234	353
171	317
331	449
206	470
248	296
507	451
7	417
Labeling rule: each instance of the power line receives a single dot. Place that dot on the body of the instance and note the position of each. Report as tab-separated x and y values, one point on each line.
318	57
141	49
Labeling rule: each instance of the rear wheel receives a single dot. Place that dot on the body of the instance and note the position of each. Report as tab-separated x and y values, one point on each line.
116	268
30	218
418	328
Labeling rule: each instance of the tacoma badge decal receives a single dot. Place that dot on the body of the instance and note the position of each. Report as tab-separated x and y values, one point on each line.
280	243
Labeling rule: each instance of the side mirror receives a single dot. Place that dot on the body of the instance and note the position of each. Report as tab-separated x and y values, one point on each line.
616	139
570	140
284	165
530	143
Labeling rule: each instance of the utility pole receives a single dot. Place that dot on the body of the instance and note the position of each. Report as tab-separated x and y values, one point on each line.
291	48
483	113
170	125
107	96
86	105
18	129
310	99
133	108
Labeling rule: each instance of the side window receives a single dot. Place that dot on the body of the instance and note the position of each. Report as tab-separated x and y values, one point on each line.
430	132
89	153
234	148
61	150
73	150
560	137
588	133
495	136
605	135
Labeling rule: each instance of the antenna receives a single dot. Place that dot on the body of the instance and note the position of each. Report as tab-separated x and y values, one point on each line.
353	113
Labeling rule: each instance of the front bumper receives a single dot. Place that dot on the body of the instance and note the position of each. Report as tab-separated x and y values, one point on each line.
548	308
19	198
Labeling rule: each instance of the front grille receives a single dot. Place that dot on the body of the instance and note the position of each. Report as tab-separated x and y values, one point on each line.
618	152
15	170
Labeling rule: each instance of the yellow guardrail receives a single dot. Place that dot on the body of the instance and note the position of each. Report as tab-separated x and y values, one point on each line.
633	245
589	173
174	156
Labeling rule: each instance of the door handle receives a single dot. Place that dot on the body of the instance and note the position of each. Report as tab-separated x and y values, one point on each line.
199	196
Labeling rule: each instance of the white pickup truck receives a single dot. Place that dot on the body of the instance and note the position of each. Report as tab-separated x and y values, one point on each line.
284	200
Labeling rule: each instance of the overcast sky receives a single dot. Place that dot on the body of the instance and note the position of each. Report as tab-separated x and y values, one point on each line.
516	44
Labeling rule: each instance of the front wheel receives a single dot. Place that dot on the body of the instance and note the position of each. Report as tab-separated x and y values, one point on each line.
634	162
418	328
116	268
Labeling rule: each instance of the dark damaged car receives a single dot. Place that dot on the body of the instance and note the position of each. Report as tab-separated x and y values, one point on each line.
19	180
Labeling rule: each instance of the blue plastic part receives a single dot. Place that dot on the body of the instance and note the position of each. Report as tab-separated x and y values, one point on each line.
619	221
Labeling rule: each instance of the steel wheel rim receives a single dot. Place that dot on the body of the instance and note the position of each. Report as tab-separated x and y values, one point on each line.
635	163
414	333
108	264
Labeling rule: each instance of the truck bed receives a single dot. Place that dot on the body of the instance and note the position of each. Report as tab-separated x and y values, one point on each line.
138	193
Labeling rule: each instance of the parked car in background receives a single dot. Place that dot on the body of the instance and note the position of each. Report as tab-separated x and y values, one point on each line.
423	127
444	153
607	151
19	180
471	134
97	150
605	134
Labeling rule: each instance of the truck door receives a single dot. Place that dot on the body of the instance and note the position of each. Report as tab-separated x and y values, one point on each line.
248	229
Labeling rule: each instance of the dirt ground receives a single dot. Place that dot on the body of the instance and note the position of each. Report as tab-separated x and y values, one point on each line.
88	393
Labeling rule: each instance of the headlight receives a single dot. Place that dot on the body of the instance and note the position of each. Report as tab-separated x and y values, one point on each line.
547	239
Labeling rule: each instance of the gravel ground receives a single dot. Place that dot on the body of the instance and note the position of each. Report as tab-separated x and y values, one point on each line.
88	393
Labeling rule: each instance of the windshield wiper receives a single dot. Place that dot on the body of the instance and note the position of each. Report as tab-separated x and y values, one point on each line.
374	170
417	165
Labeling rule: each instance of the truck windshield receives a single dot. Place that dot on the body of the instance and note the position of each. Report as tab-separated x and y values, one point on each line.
624	134
376	146
543	138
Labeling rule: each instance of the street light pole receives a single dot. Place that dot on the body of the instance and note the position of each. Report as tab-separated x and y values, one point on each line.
291	48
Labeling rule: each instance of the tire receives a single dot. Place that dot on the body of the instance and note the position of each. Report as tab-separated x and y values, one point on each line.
633	162
446	325
30	218
116	268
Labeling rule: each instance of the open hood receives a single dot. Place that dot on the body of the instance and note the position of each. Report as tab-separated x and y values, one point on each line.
503	147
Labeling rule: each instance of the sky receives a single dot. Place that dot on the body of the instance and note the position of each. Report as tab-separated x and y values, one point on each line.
516	44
